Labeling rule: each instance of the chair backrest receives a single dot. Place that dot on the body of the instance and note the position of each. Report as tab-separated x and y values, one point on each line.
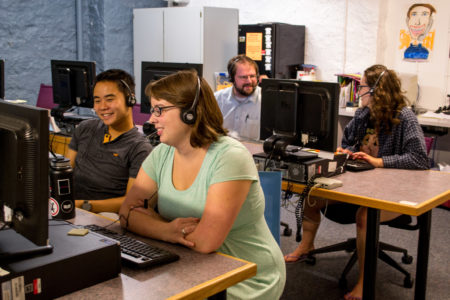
429	143
271	186
138	117
402	222
343	213
45	97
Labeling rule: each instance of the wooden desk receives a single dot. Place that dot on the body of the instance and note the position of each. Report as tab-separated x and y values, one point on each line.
58	143
411	192
193	276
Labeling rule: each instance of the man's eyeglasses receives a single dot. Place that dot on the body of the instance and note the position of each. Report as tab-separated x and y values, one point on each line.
157	110
247	76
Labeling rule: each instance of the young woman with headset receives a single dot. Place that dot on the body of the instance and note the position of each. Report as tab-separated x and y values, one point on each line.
383	132
205	185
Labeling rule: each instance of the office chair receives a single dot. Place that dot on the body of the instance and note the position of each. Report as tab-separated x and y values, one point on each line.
139	118
45	97
401	222
271	185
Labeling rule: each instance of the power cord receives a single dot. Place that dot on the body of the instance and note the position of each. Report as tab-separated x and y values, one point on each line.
299	210
268	159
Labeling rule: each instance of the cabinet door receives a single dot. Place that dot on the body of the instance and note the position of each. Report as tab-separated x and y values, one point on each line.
183	32
148	40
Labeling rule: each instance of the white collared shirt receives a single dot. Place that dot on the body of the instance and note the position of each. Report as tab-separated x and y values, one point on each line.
241	116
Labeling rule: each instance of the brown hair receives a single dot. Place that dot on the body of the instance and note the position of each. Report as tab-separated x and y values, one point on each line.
388	98
429	6
180	89
240	59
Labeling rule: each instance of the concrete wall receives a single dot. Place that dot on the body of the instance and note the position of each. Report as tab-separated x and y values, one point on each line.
341	36
34	32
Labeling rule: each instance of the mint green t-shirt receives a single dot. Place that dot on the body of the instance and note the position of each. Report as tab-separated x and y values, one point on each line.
249	238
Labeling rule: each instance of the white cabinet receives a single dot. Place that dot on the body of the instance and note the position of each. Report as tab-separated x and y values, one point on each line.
183	32
199	35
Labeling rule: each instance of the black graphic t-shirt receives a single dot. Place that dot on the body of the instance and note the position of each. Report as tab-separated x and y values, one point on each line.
369	143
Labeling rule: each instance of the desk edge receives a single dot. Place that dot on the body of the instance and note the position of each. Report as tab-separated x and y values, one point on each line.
219	283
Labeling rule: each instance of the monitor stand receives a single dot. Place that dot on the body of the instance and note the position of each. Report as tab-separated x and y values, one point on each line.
14	246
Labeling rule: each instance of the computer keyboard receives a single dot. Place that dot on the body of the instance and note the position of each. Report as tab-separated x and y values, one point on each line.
134	252
358	165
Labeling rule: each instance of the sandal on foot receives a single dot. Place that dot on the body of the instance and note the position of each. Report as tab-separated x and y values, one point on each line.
297	258
349	296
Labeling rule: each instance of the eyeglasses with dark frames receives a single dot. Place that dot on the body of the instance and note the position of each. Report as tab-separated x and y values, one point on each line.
157	110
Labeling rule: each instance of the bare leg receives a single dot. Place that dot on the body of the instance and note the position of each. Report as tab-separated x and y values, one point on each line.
310	226
361	226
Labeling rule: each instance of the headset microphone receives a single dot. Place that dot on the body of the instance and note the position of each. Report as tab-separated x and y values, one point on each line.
151	133
153	138
360	96
372	89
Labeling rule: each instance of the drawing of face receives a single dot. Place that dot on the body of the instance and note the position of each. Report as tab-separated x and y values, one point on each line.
419	22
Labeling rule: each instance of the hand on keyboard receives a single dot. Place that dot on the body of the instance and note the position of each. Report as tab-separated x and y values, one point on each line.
358	165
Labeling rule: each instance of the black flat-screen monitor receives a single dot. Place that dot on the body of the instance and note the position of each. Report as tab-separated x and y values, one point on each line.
2	79
73	83
152	71
24	184
304	111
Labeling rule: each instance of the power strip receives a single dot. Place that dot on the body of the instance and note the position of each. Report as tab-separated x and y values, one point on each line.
328	183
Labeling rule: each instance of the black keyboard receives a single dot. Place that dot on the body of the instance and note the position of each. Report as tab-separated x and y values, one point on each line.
134	252
358	165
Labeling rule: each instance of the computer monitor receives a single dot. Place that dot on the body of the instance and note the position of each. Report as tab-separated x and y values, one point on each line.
73	83
152	71
24	183
2	79
305	112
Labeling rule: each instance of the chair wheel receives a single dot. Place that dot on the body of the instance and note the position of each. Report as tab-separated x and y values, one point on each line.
287	231
343	283
408	282
407	259
311	260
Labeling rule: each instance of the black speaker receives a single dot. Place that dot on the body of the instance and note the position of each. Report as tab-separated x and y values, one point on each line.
131	98
189	116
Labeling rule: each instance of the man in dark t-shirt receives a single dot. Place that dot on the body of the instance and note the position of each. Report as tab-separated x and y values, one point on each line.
106	154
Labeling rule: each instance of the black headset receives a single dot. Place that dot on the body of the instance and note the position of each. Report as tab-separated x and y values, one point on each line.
372	89
189	116
232	68
131	98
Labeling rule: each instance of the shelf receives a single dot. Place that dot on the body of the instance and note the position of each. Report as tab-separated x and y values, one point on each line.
347	111
436	122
